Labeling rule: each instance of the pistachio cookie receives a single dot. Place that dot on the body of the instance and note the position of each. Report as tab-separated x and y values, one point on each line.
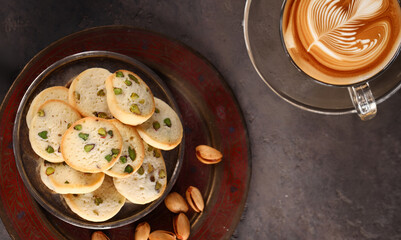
99	205
48	126
91	145
63	179
129	98
149	182
57	93
88	93
132	152
164	129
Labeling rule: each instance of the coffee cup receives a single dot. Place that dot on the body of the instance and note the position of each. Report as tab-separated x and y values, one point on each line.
343	44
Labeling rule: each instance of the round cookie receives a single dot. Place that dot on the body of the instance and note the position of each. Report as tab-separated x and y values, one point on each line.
129	98
91	145
99	205
87	93
63	179
47	127
149	182
164	129
57	93
132	153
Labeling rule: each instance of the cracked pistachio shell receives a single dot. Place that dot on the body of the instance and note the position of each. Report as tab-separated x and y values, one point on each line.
142	231
162	235
181	226
208	155
98	235
195	199
176	203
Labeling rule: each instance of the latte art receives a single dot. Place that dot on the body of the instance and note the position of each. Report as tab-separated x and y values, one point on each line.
342	42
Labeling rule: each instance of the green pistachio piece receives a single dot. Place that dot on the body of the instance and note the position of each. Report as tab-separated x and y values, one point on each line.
49	171
167	121
77	95
128	82
102	115
108	157
101	93
102	132
117	91
157	110
133	78
43	134
41	113
162	173
158	185
89	147
68	125
110	132
141	171
131	153
150	148
156	153
98	201
123	159
84	136
128	169
119	74
142	101
156	125
150	168
115	151
78	127
134	96
49	149
135	109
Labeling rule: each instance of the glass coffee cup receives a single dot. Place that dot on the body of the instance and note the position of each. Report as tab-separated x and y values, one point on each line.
307	90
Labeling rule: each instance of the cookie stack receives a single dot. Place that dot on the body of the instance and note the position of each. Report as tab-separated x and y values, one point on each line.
99	141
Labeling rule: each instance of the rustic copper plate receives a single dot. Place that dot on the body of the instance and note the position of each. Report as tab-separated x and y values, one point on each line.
61	73
210	114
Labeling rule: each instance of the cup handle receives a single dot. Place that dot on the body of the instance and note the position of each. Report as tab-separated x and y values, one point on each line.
363	101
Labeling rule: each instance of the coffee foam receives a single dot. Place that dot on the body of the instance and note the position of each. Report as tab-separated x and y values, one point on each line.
342	42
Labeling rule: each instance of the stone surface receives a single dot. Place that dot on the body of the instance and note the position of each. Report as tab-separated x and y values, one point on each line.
313	176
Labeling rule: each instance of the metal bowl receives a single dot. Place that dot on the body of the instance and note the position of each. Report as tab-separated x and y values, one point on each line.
61	73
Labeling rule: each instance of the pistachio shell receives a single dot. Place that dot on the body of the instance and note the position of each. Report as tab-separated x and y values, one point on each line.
208	155
195	199
176	203
162	235
99	236
142	231
181	226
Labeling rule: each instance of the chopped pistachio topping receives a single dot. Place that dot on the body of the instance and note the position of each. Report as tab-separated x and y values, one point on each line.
77	95
157	110
115	151
98	201
102	115
84	136
150	168
141	171
110	132
43	134
50	149
142	101
128	82
96	212
134	96
119	74
123	159
78	127
49	171
156	125
59	150
131	153
108	157
132	77
117	91
162	173
89	147
150	148
135	109
41	113
101	93
156	153
167	121
68	125
102	132
158	185
128	169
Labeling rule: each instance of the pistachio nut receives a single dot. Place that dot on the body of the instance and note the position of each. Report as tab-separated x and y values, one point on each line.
181	226
195	199
162	235
142	231
208	155
176	203
99	236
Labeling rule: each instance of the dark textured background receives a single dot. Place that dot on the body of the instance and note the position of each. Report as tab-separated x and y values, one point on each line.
313	176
